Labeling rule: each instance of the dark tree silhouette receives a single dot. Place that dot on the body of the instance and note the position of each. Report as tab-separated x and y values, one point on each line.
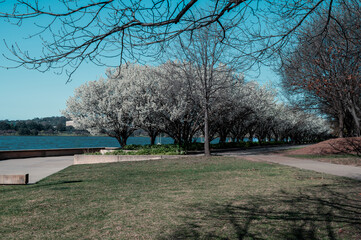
324	70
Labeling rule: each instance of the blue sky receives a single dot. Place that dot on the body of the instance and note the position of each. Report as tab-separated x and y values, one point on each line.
26	94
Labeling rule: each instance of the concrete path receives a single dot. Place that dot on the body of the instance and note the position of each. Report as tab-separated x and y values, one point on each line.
37	168
261	150
265	155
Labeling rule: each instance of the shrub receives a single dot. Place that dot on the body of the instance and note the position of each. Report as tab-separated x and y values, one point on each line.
149	150
172	149
134	147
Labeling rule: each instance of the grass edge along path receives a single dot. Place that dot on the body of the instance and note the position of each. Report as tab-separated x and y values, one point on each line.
342	159
191	198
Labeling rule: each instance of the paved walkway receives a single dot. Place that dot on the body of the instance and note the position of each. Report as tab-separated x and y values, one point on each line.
37	168
266	155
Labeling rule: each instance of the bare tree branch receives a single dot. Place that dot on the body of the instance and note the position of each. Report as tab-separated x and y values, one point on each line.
93	30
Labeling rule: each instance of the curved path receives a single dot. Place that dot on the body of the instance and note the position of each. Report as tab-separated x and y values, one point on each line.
267	155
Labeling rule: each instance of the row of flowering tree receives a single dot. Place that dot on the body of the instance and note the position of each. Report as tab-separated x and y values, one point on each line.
168	99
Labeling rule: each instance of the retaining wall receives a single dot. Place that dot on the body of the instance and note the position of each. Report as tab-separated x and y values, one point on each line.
92	159
45	152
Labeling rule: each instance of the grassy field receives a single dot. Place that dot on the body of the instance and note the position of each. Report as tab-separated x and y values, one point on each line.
191	198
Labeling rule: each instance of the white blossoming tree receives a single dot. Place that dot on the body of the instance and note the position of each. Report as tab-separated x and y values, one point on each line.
168	99
178	104
142	89
102	107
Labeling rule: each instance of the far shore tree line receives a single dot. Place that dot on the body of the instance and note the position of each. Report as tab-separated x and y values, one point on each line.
168	99
38	126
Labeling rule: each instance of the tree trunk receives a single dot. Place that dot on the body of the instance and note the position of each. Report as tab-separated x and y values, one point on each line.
260	139
277	138
152	134
340	125
250	137
222	138
152	140
121	141
207	151
356	120
125	138
269	137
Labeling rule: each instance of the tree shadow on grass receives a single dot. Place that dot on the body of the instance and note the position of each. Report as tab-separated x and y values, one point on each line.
60	185
322	212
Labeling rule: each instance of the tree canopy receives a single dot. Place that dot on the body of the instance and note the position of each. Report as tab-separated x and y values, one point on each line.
163	99
323	72
74	32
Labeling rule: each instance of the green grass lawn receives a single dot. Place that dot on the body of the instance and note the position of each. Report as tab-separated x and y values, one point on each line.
190	198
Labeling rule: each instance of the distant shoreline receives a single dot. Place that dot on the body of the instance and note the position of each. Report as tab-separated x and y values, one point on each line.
63	135
50	135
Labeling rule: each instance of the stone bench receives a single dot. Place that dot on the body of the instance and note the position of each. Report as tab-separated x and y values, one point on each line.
14	179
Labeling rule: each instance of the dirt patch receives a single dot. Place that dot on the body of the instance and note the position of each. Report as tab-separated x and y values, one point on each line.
331	146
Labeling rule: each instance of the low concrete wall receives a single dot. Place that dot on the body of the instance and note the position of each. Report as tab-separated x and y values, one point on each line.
45	152
14	179
91	159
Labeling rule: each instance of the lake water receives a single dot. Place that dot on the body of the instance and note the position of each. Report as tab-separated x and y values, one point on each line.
54	142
